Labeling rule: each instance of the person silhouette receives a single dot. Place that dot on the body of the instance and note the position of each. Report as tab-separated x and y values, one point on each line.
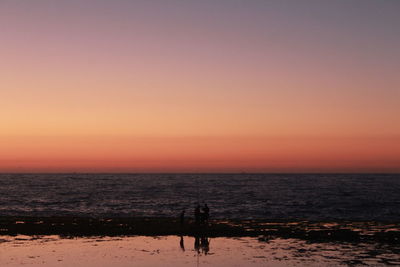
206	211
182	217
197	214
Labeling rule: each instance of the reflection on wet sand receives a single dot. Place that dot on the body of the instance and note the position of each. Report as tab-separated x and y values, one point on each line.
182	243
165	251
202	244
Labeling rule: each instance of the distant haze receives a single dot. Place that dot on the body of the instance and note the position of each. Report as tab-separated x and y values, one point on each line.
200	86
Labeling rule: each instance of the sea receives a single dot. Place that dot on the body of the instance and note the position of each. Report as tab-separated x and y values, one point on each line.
316	197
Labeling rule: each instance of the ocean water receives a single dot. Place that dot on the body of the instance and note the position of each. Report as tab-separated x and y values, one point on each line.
242	196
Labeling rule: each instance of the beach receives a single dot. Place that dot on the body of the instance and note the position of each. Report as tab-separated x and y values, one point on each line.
179	251
57	241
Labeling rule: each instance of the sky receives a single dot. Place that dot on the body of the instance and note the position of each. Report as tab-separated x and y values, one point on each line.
199	86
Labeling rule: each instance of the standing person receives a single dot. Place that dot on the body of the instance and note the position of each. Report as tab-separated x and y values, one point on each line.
197	214
206	210
182	218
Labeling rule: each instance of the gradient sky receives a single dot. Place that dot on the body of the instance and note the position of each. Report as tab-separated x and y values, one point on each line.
199	86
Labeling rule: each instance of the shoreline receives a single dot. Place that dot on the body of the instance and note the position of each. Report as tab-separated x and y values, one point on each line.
324	231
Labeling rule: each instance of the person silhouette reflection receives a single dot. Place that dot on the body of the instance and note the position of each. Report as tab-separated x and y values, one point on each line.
197	244
202	244
182	244
205	244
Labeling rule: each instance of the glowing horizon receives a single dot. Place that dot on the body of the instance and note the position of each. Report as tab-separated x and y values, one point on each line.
277	86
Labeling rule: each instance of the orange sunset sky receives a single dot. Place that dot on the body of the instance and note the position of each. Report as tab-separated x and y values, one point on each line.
200	86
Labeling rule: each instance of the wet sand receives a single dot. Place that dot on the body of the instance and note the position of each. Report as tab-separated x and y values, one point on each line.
378	232
183	251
